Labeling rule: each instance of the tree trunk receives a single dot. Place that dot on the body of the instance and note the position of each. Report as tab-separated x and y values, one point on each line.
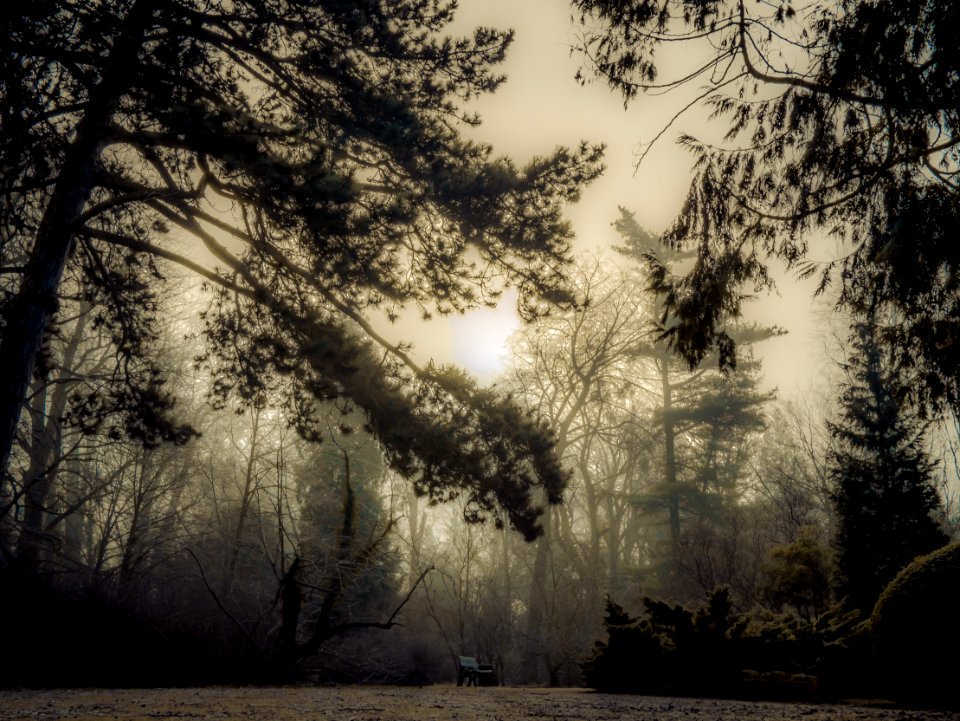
670	465
535	644
417	522
533	650
246	500
47	415
144	495
36	301
37	482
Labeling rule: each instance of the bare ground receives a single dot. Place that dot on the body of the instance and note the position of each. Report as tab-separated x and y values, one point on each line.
433	703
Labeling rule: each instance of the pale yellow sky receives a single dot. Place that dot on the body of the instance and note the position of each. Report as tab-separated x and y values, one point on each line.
540	107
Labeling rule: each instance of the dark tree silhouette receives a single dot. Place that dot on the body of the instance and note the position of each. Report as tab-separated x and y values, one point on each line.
305	160
840	117
883	495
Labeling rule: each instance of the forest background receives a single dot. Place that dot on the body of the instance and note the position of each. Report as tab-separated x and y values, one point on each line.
218	539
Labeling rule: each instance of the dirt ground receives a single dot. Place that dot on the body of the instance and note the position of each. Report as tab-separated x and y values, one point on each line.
433	703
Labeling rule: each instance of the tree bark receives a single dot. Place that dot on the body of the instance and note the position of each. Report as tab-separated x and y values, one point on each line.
36	301
670	465
246	500
45	456
417	522
534	644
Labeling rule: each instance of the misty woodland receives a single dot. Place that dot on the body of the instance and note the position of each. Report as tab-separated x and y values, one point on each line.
218	464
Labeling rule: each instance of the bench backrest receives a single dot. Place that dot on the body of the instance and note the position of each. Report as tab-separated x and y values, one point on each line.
468	662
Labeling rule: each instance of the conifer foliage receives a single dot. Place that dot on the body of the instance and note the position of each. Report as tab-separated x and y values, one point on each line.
835	117
305	160
883	494
704	417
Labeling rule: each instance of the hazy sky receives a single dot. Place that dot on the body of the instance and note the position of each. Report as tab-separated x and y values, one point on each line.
540	107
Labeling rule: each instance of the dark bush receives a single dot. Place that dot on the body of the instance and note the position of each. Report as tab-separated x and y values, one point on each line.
846	667
674	650
700	649
714	651
906	651
916	630
61	636
631	658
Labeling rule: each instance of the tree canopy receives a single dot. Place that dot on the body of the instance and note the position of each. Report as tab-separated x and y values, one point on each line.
306	160
841	119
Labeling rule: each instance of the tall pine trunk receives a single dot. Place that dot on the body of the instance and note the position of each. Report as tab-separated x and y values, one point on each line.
670	465
28	314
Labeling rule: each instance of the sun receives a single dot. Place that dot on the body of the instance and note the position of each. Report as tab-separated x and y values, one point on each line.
480	339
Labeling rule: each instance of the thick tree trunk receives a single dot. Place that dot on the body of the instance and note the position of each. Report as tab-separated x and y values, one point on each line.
29	313
670	465
41	474
37	482
534	643
417	522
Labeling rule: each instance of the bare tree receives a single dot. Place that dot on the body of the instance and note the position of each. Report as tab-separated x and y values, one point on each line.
566	369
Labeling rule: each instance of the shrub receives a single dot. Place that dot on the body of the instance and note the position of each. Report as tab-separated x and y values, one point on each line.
916	630
629	660
674	650
798	575
712	650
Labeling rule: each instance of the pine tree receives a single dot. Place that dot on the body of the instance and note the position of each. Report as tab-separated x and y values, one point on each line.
305	160
883	492
703	417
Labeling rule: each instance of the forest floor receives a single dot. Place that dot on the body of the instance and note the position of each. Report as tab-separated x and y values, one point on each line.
431	703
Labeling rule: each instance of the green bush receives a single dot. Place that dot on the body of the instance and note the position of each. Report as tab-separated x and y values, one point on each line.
916	630
798	575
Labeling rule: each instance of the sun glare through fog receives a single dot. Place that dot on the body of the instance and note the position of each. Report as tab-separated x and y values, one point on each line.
480	338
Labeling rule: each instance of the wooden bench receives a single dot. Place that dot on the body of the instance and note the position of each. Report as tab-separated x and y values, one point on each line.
475	674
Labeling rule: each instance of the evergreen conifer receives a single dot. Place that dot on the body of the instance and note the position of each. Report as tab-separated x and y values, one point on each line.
884	495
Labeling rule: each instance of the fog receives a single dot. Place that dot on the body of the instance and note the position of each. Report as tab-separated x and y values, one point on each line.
313	376
541	106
